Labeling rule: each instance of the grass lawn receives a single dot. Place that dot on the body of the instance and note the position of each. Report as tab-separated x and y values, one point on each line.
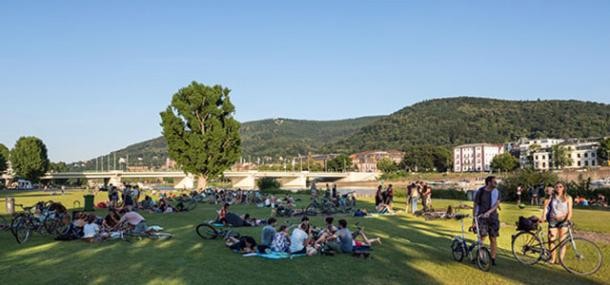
414	251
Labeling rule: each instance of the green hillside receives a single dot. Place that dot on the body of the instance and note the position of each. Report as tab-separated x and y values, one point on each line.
454	121
272	137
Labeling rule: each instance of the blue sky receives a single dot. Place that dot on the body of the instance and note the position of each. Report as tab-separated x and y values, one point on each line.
89	77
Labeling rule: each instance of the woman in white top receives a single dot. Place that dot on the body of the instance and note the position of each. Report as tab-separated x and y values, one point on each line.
557	212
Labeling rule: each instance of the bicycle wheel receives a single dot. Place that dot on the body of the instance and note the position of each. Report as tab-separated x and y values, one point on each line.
580	256
50	225
311	210
4	224
63	224
483	258
206	231
21	229
527	248
458	250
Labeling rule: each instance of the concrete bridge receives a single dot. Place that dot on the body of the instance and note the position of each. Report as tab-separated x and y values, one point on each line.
239	179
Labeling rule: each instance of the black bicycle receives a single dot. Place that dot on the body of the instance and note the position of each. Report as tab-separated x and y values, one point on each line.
213	231
577	255
477	251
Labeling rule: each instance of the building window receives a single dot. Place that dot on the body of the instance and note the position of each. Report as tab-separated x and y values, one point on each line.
578	163
592	154
586	163
543	164
586	154
593	163
543	157
536	157
578	155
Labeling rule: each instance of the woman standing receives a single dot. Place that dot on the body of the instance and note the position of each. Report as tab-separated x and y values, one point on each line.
557	212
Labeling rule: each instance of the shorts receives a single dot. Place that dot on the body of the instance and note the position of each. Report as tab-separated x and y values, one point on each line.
489	226
557	224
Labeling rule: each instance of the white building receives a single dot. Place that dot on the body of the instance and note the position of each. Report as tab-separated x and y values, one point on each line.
583	152
541	156
475	157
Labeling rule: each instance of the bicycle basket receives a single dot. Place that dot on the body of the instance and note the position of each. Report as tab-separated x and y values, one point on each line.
527	224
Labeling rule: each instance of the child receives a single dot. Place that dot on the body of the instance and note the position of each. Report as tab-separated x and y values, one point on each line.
91	229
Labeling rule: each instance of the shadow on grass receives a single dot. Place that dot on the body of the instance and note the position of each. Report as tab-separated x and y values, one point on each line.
414	251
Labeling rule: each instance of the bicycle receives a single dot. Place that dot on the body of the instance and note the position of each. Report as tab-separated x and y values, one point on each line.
325	207
477	252
5	225
24	223
126	233
209	231
576	255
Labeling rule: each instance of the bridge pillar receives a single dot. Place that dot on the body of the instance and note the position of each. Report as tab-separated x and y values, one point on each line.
187	182
298	182
245	182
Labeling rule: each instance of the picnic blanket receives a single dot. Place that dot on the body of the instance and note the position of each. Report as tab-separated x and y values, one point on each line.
274	255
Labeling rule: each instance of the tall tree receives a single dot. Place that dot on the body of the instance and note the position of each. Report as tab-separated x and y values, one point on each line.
504	162
387	165
29	158
561	156
340	163
202	135
603	152
426	158
4	157
58	167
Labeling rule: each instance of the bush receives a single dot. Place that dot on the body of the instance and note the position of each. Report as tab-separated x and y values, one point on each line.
268	183
394	175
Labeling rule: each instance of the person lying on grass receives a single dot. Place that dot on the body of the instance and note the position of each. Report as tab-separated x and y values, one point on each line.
384	209
244	244
365	240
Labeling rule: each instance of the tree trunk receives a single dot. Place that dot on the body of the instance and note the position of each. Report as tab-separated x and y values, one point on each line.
202	182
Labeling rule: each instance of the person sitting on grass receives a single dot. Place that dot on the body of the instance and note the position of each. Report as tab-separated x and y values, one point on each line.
222	214
328	232
111	220
91	229
134	220
148	203
281	240
267	235
344	237
299	239
244	244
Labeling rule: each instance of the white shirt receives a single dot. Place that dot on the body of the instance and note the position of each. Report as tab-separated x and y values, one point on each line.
90	230
297	240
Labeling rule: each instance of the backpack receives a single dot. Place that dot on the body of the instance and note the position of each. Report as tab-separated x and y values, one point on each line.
527	224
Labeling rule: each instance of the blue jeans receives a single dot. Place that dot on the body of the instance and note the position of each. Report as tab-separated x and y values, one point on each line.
414	204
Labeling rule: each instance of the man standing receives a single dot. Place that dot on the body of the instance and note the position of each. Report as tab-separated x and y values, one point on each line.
486	202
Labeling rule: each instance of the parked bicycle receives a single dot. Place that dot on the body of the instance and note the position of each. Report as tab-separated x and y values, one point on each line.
576	254
213	231
477	251
325	207
125	232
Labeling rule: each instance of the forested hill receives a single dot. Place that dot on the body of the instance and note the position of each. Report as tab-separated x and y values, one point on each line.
454	121
272	137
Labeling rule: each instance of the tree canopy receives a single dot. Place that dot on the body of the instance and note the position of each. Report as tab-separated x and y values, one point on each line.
340	163
603	151
4	157
201	133
29	158
504	162
426	158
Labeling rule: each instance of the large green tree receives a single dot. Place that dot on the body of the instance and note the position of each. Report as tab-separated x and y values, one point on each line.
29	158
603	152
561	156
4	157
426	158
201	133
387	165
340	163
504	162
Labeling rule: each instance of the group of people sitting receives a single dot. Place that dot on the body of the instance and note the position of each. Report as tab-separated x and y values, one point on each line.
91	228
305	239
598	201
384	199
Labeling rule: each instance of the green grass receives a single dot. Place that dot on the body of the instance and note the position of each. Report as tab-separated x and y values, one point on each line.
414	251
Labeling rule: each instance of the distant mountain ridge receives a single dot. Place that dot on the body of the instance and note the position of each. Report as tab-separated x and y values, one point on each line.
454	121
444	122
